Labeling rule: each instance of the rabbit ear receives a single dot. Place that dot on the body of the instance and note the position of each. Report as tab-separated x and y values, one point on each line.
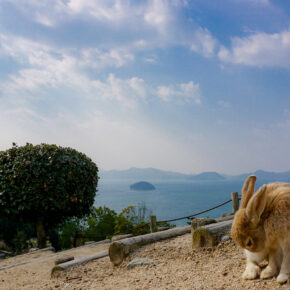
257	205
248	190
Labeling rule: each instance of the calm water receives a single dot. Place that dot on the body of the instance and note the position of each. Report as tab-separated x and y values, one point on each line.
171	199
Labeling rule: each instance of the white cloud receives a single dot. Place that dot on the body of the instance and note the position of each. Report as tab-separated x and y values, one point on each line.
106	10
158	14
203	42
181	93
127	92
255	2
259	49
159	22
285	124
96	58
44	67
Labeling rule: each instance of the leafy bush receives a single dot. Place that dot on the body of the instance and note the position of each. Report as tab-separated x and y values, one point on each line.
16	235
100	224
45	184
133	219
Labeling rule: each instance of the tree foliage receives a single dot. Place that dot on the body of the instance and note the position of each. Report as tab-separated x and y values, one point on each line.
100	223
133	220
46	183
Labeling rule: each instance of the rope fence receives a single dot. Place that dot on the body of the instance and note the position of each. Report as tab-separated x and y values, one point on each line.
196	214
153	223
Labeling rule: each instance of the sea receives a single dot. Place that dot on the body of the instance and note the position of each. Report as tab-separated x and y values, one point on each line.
172	198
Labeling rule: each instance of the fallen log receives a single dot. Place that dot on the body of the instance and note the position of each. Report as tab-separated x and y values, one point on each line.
209	235
63	259
64	266
120	249
36	250
121	237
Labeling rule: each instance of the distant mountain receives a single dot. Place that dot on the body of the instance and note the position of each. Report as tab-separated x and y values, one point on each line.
271	176
142	173
207	176
152	174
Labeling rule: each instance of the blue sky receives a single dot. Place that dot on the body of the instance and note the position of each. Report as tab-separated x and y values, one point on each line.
179	85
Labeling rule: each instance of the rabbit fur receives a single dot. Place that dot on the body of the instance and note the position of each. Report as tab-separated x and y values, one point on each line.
262	227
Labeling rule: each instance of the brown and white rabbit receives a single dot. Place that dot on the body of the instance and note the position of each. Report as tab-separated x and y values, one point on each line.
262	227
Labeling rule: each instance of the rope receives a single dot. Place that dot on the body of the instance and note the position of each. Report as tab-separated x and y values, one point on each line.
193	215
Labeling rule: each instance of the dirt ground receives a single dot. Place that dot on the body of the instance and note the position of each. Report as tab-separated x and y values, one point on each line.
175	266
33	270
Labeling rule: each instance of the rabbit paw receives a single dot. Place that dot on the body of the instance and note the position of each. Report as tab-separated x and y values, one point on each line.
282	278
268	272
252	272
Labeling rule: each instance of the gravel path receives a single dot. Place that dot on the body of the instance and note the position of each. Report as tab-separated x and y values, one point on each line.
175	266
33	270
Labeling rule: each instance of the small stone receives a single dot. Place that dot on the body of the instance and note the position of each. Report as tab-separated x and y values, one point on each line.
225	238
139	262
33	250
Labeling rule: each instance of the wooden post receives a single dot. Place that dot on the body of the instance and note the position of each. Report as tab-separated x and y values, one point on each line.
209	235
78	239
235	200
153	225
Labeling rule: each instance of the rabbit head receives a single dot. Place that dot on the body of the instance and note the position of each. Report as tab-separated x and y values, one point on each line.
247	228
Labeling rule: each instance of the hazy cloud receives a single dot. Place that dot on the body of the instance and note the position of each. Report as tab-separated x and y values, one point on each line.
180	93
260	49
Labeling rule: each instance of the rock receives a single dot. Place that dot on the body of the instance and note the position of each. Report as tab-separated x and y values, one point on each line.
225	238
63	259
33	250
89	243
142	185
139	262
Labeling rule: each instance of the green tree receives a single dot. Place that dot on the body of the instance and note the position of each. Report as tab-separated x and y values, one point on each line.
133	219
45	184
100	223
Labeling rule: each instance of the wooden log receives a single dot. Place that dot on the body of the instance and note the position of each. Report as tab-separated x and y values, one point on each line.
120	249
48	249
64	266
210	235
235	201
121	237
152	224
226	218
63	259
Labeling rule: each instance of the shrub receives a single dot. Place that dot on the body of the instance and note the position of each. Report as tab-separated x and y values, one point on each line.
101	223
45	184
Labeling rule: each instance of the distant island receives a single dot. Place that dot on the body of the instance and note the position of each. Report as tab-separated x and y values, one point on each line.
207	176
142	185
